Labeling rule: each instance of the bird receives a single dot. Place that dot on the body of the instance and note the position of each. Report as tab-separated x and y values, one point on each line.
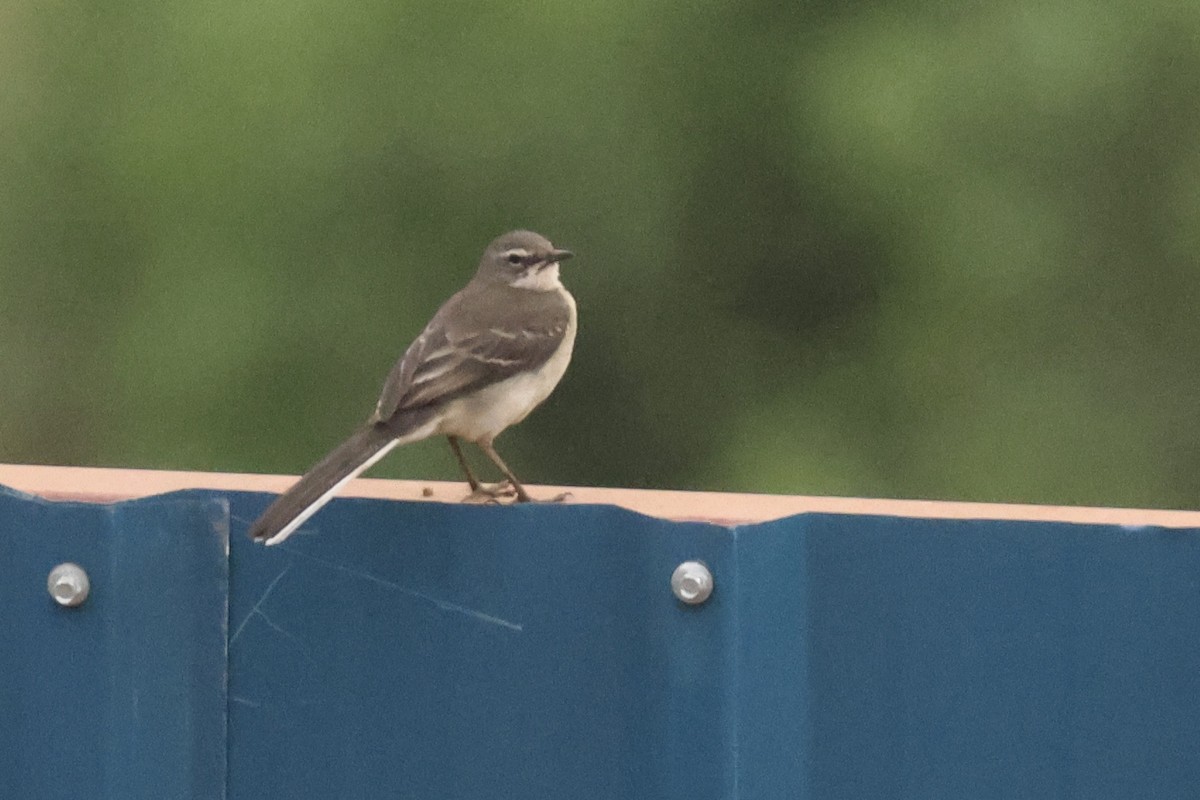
490	355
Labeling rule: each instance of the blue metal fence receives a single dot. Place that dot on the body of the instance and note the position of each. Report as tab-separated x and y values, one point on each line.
418	650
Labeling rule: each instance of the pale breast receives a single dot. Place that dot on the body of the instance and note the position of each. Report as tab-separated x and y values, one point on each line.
486	413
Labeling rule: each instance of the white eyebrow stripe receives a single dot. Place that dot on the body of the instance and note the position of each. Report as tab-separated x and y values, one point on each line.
517	251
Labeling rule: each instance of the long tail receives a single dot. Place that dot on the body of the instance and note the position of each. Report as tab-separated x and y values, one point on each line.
318	486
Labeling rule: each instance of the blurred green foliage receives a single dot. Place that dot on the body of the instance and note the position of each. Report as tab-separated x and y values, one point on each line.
935	249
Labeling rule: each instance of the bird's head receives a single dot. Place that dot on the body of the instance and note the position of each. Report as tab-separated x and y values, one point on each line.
523	260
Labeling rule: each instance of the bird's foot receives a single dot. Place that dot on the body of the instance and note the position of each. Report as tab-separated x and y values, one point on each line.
490	493
558	498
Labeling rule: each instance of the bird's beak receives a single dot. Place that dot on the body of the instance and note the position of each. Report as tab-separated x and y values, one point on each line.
559	255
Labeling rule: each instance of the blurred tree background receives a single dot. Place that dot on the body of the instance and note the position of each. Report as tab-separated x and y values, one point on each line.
923	249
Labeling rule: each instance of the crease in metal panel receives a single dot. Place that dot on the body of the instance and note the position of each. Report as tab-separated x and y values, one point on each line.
123	695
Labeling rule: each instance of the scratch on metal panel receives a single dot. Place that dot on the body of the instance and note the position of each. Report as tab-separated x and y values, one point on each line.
287	634
443	605
258	606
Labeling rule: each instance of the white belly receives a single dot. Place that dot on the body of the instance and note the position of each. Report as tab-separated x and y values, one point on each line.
486	413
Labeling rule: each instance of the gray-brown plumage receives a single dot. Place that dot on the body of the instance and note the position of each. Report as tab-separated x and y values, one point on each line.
490	355
482	335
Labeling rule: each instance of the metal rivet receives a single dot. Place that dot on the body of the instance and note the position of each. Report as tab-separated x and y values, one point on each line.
692	582
68	584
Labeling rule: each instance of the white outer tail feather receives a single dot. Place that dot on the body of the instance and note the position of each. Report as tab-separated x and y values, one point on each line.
317	504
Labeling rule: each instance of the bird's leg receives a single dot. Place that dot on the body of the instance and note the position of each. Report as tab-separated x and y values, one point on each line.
522	495
479	491
472	481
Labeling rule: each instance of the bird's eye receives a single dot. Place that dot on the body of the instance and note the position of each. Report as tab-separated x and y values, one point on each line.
514	258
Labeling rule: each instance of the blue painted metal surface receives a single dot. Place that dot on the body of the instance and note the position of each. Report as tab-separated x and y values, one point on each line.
950	659
449	651
433	651
124	696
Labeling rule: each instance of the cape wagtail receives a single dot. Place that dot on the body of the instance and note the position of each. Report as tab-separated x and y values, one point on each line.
488	357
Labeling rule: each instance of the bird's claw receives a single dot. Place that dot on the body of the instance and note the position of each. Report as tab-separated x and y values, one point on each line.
490	493
558	498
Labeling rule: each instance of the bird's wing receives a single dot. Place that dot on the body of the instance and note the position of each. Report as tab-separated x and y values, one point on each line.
451	360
